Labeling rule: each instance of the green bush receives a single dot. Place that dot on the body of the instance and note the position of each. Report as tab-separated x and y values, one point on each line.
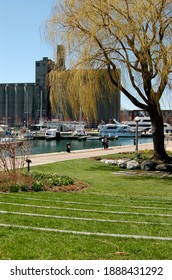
24	188
32	181
59	181
37	186
14	188
51	179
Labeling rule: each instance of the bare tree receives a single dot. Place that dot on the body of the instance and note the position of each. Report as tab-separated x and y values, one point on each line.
13	155
134	36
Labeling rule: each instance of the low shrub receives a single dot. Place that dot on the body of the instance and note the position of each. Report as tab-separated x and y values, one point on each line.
51	179
32	181
24	188
37	186
14	188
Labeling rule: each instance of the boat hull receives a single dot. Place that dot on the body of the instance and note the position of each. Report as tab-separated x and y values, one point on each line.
121	134
52	134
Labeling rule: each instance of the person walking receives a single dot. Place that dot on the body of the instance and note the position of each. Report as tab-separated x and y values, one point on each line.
68	148
105	143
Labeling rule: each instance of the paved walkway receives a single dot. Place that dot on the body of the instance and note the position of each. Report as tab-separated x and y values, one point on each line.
63	156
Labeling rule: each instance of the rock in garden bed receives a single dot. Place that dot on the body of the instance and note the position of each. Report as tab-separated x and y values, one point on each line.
147	167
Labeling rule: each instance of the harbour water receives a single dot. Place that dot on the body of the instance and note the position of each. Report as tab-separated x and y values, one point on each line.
43	146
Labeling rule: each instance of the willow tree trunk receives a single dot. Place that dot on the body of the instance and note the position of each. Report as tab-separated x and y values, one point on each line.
158	134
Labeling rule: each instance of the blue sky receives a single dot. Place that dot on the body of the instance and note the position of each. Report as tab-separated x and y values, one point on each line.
22	38
23	41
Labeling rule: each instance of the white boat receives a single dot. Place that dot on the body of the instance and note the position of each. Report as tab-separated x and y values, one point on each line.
7	139
51	134
117	129
40	134
68	129
93	138
23	134
144	125
28	136
69	135
82	138
10	139
66	126
167	128
2	130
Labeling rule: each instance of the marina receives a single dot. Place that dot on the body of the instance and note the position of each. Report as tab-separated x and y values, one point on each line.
55	136
43	146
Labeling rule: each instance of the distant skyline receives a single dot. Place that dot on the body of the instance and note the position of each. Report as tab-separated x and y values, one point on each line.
22	29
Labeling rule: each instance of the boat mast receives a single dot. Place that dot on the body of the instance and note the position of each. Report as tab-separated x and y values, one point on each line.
6	105
27	104
40	117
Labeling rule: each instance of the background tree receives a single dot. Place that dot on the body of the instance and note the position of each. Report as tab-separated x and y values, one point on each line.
134	36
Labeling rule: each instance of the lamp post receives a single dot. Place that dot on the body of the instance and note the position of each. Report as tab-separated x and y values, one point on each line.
28	164
136	120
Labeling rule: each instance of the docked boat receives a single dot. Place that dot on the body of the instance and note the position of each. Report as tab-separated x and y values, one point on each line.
7	139
28	136
82	138
72	135
93	137
117	129
23	134
145	125
2	130
39	135
52	134
66	126
67	130
39	130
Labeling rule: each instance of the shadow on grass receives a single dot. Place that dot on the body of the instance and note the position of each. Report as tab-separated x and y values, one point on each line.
141	177
128	174
104	168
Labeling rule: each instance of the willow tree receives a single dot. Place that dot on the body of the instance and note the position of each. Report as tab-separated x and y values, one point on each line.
134	36
80	93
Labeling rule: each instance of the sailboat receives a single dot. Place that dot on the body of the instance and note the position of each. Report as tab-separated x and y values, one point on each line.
25	133
39	129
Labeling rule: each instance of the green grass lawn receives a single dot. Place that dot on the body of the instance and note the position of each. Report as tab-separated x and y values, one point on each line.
116	217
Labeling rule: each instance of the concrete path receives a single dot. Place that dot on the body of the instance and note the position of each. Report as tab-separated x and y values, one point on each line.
63	156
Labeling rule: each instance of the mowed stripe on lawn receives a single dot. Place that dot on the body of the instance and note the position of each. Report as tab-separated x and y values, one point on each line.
88	233
87	210
82	218
116	205
80	203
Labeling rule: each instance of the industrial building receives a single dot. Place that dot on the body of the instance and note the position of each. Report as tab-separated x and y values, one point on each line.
22	104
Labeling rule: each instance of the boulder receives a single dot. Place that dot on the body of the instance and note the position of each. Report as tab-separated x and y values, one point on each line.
148	165
122	163
103	160
164	167
109	161
133	165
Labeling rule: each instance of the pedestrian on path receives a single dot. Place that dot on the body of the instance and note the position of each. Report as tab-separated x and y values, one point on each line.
105	143
68	148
